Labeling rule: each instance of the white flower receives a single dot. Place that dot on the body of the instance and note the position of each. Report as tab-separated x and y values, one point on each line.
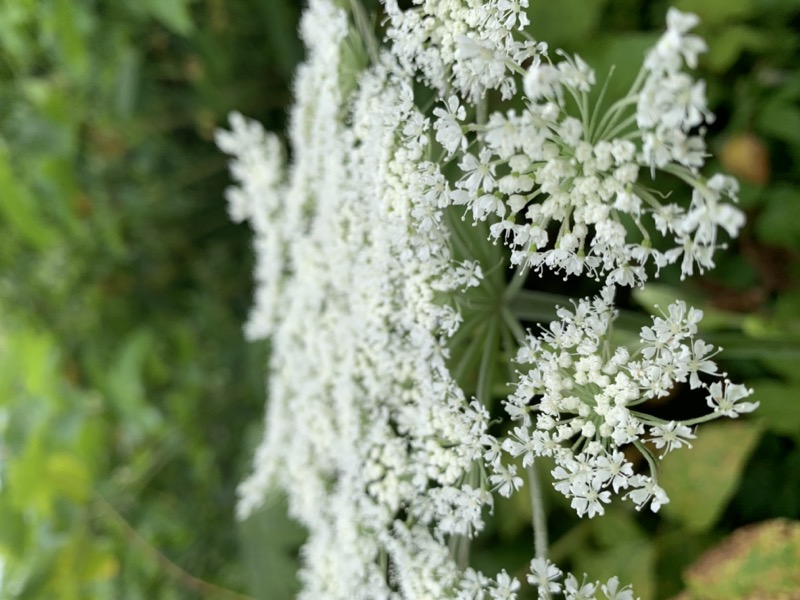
582	390
612	591
378	450
545	575
473	585
700	362
478	172
579	591
588	498
675	46
505	480
725	398
671	436
614	468
542	81
513	11
506	587
646	490
448	131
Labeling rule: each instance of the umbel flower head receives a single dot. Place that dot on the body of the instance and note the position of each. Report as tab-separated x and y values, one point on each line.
562	179
386	462
582	400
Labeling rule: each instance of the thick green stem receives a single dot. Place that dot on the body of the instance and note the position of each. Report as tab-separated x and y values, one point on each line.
539	519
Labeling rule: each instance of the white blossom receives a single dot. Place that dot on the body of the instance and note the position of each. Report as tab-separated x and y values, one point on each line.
382	455
582	392
585	175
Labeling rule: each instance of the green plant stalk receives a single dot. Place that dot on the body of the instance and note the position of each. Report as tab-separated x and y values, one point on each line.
538	517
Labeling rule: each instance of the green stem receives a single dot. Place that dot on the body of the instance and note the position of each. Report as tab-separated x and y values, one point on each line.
517	280
703	419
459	550
513	325
466	359
538	517
481	112
484	372
598	105
460	242
365	29
621	126
609	119
531	305
648	456
463	331
197	586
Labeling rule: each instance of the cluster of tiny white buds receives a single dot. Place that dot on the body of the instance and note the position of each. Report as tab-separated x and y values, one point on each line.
563	161
577	403
471	47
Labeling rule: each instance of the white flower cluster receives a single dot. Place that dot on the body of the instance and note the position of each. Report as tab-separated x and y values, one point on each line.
258	199
364	420
467	45
387	463
578	401
545	576
565	170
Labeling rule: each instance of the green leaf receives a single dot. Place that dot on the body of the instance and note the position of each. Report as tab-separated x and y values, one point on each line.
779	221
768	346
13	532
730	43
780	120
125	385
270	543
713	12
620	548
565	22
701	480
173	14
68	475
127	82
677	551
780	405
757	561
631	561
72	39
38	358
39	575
15	31
29	488
18	206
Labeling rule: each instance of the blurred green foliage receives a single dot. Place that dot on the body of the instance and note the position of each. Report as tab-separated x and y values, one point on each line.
129	402
127	395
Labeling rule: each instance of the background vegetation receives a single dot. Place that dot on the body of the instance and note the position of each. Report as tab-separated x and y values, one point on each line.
129	401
